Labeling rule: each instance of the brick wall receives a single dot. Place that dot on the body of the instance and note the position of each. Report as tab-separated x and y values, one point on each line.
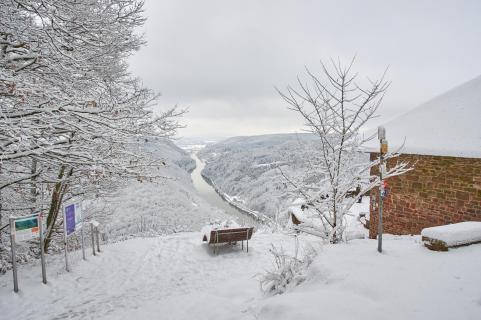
440	190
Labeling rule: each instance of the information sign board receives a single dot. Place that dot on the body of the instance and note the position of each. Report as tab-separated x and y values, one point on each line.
73	218
26	228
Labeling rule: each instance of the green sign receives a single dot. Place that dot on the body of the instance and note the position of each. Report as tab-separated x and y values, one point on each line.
26	228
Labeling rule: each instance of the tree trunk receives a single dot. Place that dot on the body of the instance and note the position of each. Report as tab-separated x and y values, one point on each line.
55	204
33	186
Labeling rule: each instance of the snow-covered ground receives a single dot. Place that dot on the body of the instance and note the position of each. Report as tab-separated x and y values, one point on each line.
167	277
178	277
407	281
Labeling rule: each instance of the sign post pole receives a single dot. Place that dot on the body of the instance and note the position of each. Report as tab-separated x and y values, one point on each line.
92	235
65	240
381	133
79	225
14	258
83	245
42	252
98	239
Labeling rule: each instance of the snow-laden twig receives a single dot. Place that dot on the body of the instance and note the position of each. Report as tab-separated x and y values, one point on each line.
288	271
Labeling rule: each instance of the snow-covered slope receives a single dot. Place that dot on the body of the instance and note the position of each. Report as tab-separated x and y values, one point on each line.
176	277
168	150
141	208
168	205
245	168
448	125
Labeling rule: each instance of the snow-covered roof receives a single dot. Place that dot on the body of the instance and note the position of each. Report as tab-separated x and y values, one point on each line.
448	125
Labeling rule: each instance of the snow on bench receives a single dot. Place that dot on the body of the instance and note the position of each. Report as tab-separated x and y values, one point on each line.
452	235
217	225
226	232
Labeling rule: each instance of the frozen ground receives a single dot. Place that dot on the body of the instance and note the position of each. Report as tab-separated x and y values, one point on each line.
169	277
177	277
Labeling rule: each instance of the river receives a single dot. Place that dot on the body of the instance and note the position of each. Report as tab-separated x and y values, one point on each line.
210	195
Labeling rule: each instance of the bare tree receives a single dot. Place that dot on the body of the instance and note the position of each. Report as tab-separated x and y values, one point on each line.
335	107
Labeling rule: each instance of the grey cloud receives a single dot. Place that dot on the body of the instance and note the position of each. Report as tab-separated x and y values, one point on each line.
222	59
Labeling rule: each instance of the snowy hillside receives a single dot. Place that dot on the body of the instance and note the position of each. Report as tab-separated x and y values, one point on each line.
245	168
168	150
167	205
164	205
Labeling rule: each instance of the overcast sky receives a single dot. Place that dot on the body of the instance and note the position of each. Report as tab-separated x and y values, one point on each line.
222	59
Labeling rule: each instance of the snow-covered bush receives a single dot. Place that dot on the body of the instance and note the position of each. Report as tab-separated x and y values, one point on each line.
288	272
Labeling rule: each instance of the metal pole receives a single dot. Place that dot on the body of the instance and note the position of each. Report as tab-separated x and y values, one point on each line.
82	239
98	240
381	187
65	240
93	238
42	251
14	258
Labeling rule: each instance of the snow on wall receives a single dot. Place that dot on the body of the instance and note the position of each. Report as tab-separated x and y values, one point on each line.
448	125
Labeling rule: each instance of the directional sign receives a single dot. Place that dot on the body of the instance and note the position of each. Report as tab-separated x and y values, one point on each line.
26	228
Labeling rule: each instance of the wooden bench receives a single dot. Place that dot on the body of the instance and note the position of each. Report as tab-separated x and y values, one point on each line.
230	236
441	238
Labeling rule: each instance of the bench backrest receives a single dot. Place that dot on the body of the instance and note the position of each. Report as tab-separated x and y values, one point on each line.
230	235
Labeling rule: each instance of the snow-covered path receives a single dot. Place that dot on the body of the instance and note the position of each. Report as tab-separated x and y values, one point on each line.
161	277
177	277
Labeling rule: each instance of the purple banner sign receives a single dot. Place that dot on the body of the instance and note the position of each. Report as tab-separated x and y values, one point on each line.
70	219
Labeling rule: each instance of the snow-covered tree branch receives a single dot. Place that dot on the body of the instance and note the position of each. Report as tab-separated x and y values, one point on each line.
335	107
72	117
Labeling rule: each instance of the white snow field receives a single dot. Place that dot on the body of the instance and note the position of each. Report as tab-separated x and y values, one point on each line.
177	277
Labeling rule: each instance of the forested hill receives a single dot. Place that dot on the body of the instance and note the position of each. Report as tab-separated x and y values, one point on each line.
246	168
